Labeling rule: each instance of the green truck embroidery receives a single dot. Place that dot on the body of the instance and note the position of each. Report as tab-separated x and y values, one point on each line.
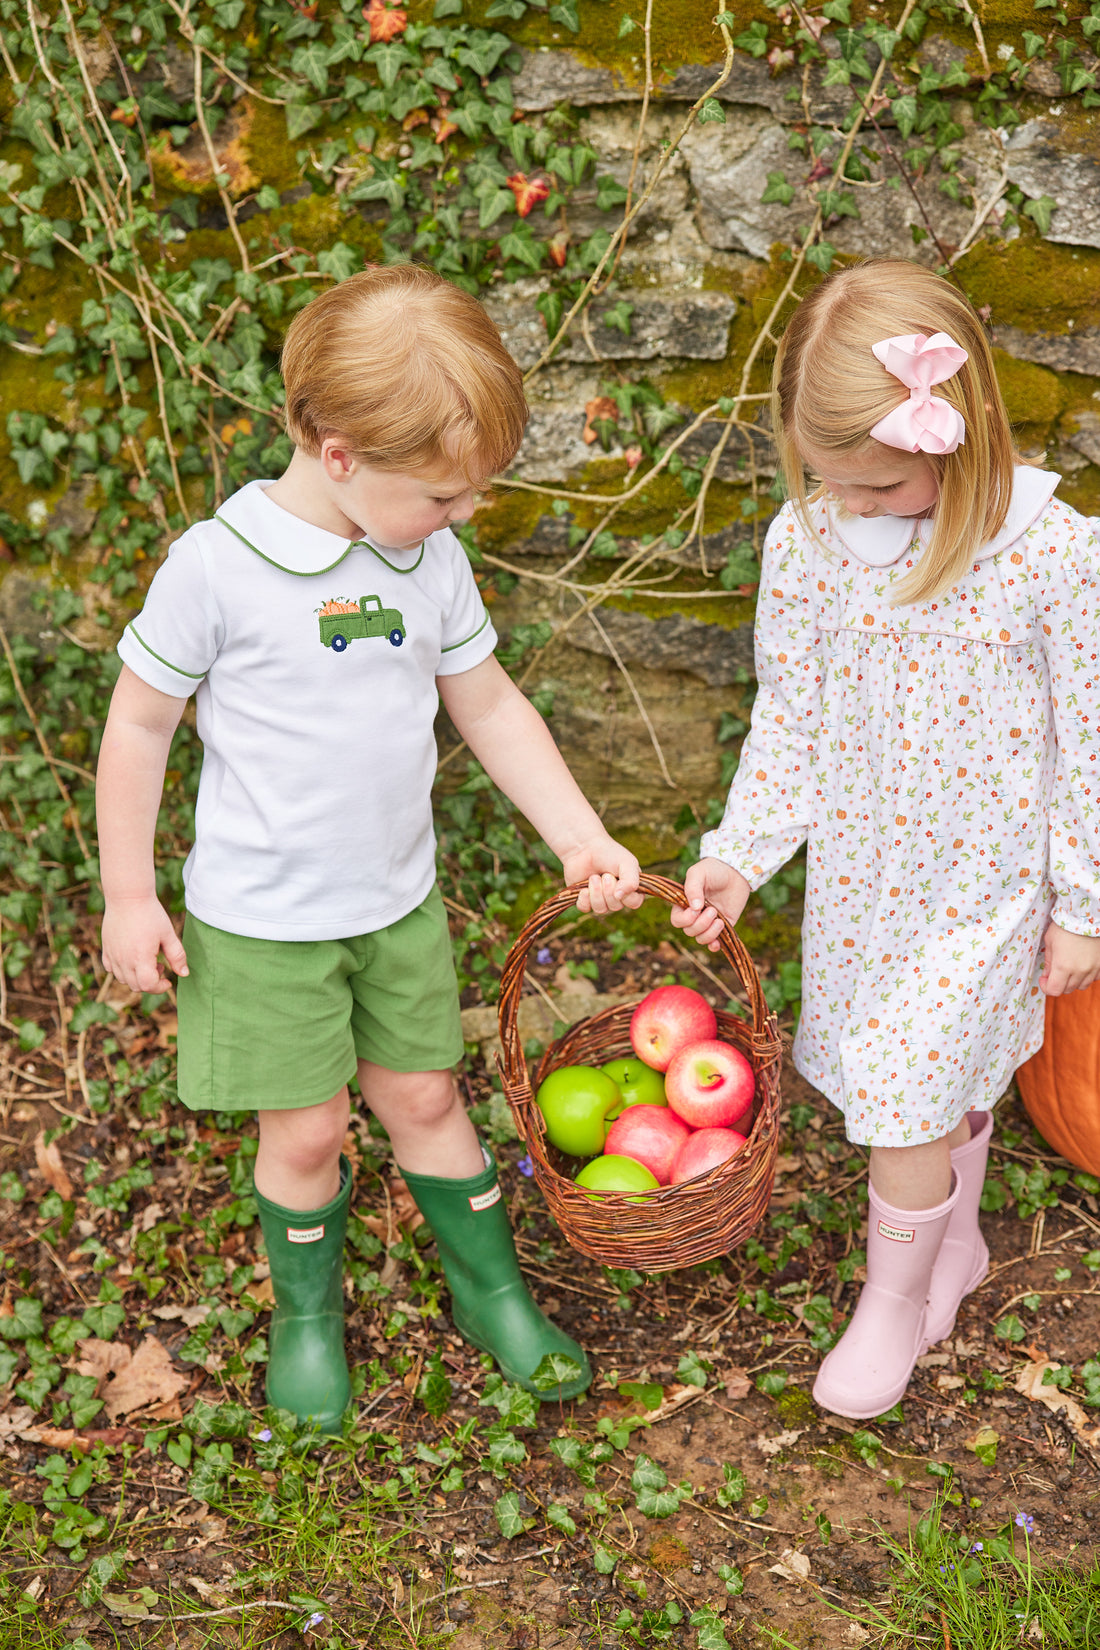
342	622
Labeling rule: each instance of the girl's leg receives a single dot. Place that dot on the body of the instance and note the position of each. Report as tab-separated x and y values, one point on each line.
963	1260
868	1370
916	1177
303	1188
454	1182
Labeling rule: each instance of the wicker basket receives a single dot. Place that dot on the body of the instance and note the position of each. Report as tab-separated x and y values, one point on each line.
677	1225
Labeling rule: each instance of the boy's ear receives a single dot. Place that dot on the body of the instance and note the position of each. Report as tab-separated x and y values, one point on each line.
337	460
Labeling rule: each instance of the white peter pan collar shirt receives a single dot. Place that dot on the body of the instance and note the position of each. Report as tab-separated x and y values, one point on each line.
313	663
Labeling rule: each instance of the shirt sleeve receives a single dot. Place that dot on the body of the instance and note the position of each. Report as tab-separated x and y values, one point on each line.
769	808
1070	629
468	634
174	640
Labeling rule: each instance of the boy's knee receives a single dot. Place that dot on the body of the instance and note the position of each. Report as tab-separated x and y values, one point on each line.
307	1139
422	1098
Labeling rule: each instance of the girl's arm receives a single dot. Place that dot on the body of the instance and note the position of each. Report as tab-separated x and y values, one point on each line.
517	751
1067	558
770	801
129	781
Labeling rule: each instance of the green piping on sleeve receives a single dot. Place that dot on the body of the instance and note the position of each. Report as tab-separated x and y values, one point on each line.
167	663
466	639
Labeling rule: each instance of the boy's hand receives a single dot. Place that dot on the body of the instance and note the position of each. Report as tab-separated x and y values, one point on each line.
135	932
714	891
612	874
1072	961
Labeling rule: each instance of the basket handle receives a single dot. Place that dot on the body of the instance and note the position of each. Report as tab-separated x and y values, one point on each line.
513	1064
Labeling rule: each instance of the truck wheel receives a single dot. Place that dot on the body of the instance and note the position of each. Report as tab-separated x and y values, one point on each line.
339	643
396	638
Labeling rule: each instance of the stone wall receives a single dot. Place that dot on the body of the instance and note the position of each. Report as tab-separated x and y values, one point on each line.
699	262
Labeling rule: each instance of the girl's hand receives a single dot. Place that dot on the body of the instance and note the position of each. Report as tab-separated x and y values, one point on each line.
714	891
135	932
612	874
1072	961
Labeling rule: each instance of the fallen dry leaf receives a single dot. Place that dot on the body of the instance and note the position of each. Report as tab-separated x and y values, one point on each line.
601	406
736	1383
1029	1381
131	1380
50	1166
261	1292
581	986
781	1441
404	1205
102	1358
792	1566
190	1315
385	24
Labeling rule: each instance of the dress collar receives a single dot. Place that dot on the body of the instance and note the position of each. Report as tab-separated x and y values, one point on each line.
880	541
294	545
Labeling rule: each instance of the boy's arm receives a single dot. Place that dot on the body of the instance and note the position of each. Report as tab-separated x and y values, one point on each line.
129	781
517	751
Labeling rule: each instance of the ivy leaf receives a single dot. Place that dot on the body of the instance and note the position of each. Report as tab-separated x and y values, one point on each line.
558	1518
566	13
389	58
551	306
821	256
778	190
604	1560
301	118
511	1521
711	1636
1040	212
555	1368
712	112
528	191
523	246
904	111
312	61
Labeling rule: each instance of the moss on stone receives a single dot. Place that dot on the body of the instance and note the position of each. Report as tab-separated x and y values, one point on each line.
1033	284
683	32
1033	395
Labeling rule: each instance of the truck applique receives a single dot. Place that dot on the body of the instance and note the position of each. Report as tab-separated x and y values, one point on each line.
342	622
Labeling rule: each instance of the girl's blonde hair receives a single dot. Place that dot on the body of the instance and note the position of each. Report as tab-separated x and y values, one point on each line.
829	389
407	368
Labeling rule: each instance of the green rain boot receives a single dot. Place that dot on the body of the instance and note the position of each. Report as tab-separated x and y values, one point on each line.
307	1370
490	1303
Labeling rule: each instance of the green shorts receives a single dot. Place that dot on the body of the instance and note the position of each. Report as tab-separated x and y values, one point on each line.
265	1025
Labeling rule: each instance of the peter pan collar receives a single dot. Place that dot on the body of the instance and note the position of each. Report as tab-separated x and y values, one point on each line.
294	545
880	541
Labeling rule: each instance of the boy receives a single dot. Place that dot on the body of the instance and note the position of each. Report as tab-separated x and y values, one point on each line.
315	946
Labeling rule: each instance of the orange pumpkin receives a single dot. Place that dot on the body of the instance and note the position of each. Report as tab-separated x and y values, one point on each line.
1060	1086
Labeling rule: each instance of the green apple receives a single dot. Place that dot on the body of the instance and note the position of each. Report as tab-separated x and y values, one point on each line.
578	1103
638	1083
617	1174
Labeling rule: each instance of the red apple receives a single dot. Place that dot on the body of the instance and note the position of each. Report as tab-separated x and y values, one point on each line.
711	1085
651	1135
704	1149
667	1020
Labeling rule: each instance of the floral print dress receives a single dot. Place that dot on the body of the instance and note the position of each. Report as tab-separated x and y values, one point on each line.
942	762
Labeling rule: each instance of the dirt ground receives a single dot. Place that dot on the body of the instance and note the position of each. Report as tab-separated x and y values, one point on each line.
805	1532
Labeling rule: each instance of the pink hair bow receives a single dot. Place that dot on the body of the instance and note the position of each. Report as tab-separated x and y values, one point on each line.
926	423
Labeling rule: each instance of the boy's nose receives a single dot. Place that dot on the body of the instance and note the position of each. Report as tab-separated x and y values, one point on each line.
462	508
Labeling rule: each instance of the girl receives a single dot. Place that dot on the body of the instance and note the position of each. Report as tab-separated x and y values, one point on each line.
926	649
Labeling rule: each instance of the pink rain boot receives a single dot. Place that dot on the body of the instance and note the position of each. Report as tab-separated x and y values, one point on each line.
869	1368
963	1260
